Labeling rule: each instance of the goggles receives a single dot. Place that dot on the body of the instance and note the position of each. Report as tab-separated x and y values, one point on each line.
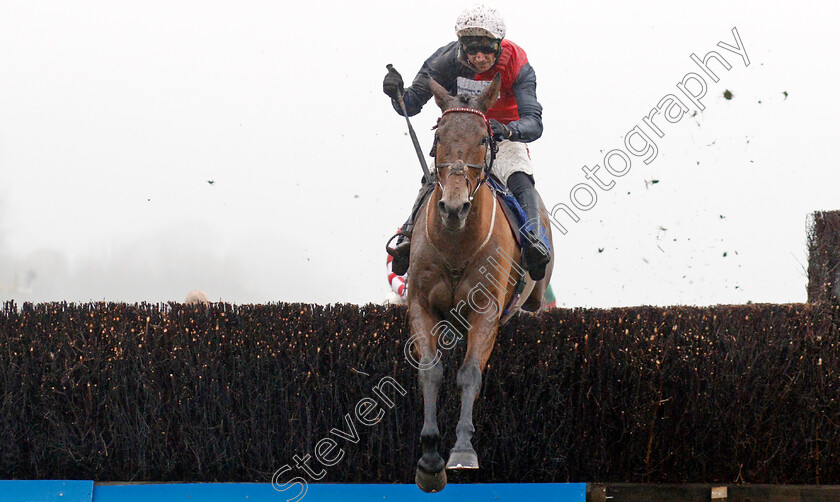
482	44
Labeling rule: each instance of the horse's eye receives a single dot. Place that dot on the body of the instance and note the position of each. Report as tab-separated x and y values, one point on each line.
484	140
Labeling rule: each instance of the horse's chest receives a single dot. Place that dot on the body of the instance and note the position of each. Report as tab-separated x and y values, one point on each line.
445	291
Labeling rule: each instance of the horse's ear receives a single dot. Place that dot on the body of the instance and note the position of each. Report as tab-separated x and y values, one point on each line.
490	94
441	95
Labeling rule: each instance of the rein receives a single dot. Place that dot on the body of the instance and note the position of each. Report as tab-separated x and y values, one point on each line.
459	165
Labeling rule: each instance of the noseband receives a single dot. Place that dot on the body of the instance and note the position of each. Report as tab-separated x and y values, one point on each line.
459	166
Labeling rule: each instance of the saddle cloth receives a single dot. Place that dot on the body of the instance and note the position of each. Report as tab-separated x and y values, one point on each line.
516	218
513	211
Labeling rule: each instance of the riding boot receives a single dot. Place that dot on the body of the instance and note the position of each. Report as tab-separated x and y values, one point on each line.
402	250
535	245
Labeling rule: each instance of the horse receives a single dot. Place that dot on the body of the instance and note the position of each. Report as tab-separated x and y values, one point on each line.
464	268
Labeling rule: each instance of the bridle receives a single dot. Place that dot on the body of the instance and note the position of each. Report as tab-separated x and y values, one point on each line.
459	166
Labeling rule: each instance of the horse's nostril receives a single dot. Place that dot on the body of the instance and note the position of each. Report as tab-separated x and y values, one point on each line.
453	211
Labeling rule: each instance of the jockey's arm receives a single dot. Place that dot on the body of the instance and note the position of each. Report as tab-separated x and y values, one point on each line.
529	127
419	93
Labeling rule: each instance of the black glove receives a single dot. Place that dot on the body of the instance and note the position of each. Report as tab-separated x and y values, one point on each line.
393	83
500	131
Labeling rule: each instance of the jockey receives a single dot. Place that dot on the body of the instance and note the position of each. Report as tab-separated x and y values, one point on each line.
468	65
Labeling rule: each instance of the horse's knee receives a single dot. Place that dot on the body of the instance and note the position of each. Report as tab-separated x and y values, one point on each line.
430	375
469	375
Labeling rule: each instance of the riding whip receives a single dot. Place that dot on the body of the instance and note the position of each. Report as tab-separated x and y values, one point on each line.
420	156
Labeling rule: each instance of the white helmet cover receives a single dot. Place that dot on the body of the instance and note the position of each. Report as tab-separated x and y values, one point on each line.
480	21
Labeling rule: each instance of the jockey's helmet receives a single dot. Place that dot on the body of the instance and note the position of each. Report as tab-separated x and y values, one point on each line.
480	21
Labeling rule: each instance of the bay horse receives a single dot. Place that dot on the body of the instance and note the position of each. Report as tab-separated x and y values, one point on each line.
464	270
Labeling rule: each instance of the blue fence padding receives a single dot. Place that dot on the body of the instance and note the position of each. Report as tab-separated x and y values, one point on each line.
259	492
46	491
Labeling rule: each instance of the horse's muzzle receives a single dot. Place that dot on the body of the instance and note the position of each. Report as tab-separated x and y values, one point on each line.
454	214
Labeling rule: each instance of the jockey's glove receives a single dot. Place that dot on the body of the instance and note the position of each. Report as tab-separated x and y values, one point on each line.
393	84
500	131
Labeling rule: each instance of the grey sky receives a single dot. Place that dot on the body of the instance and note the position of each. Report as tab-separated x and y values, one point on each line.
115	115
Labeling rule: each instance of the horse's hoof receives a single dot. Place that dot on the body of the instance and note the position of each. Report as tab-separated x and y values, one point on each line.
430	482
462	459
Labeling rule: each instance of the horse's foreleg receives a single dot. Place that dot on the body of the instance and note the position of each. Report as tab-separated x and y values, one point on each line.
479	346
462	455
431	461
430	474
